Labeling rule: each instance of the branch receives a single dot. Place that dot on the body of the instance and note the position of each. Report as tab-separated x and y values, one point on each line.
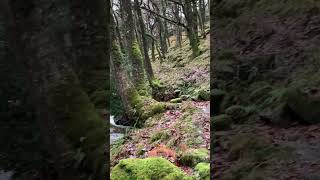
163	17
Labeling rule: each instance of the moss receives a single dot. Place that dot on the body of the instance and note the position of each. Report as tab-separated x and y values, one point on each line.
305	103
237	113
203	171
149	168
79	118
99	98
176	100
221	122
152	109
140	149
161	135
249	146
204	95
191	157
116	148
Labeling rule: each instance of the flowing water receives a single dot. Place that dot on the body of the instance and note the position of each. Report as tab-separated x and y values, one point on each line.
116	131
6	175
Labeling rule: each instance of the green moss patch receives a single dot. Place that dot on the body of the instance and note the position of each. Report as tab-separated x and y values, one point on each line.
160	136
203	171
149	168
191	157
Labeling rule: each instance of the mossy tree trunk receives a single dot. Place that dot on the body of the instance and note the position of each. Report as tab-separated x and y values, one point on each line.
178	28
128	93
147	62
89	42
74	134
133	49
191	33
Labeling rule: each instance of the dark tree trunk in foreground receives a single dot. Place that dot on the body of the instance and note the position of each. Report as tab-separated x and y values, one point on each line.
147	62
73	132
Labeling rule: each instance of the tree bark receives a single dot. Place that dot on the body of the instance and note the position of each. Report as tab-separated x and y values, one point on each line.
67	118
134	52
147	62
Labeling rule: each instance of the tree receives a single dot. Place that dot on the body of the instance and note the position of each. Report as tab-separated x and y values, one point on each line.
133	49
147	62
72	131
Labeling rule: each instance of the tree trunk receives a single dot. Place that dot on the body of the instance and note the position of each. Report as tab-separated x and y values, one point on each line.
147	62
178	29
193	37
135	55
64	111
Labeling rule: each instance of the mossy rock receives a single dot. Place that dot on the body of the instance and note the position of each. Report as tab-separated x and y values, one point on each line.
204	95
275	108
147	169
176	100
249	146
237	113
162	136
203	171
192	157
305	103
221	122
152	109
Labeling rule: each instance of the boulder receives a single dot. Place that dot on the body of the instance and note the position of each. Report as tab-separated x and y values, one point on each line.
149	168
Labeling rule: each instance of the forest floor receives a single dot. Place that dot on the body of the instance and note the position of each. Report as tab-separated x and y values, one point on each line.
281	153
184	127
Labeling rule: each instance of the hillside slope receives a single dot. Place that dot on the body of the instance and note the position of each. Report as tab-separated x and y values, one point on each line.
182	133
265	88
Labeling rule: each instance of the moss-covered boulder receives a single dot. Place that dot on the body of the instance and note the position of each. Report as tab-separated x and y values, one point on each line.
203	171
274	108
146	169
221	122
204	94
237	113
151	108
305	103
176	100
192	157
251	147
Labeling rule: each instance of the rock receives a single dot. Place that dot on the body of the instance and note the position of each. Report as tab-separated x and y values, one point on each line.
274	108
191	157
204	95
176	100
305	103
221	122
203	171
149	168
237	112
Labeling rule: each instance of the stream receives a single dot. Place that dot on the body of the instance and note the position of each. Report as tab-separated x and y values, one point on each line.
116	131
6	175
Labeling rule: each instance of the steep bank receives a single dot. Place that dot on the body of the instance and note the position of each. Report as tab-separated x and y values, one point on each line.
265	87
